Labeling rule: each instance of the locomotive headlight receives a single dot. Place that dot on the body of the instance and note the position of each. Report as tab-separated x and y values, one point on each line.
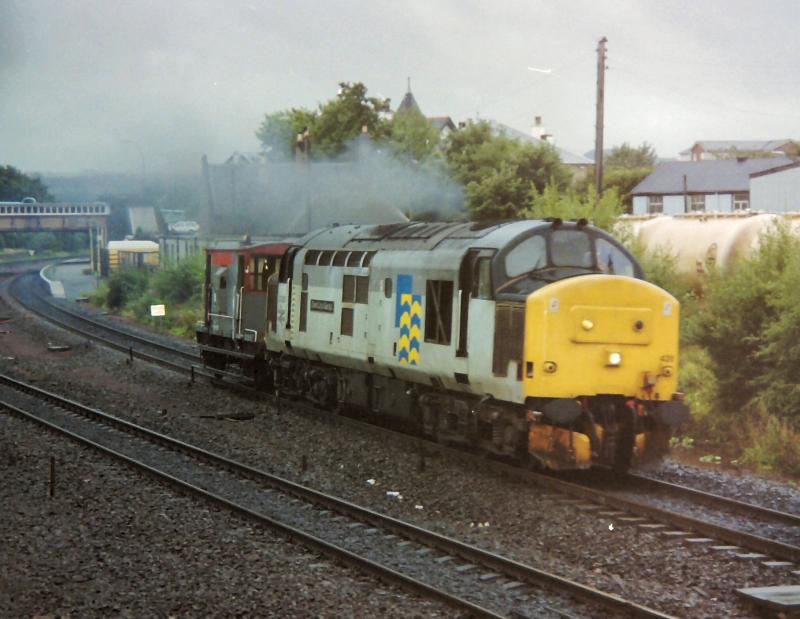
614	359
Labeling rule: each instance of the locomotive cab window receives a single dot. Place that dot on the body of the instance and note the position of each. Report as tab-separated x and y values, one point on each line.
611	260
556	254
438	311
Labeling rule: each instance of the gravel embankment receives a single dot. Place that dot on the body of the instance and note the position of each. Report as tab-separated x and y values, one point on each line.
498	514
113	543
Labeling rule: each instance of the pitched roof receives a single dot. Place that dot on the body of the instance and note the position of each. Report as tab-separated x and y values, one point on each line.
408	103
723	175
442	122
740	145
566	157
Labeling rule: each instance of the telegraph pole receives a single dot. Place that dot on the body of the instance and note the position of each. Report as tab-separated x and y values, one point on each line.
598	137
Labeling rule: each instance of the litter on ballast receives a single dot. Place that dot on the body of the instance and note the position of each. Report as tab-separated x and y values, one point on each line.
394	494
418	507
371	482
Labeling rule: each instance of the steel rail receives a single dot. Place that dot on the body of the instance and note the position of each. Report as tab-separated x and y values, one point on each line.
710	498
99	325
330	550
191	368
773	548
776	549
510	568
779	550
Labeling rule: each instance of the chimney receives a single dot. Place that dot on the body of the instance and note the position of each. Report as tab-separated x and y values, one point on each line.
302	145
538	131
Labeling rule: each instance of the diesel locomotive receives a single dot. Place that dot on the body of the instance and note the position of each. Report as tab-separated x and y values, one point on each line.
537	340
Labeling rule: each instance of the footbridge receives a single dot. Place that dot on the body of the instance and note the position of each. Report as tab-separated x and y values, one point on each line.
32	216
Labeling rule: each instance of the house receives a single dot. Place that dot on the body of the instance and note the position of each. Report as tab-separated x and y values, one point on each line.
776	190
238	158
689	186
578	164
708	150
443	124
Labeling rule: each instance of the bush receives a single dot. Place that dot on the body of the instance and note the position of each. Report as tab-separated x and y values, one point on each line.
778	388
124	287
178	284
740	306
132	292
774	445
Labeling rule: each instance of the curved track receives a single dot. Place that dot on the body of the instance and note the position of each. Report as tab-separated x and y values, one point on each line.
463	576
675	511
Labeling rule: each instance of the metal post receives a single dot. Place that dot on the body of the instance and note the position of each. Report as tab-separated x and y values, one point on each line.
598	139
52	485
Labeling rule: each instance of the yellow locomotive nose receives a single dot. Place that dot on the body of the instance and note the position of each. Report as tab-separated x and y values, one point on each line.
604	334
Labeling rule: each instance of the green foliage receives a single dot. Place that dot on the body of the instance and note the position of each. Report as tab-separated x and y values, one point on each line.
774	445
63	241
660	268
741	350
331	127
624	168
14	186
278	131
734	328
125	287
778	388
628	157
413	136
623	180
44	241
569	204
180	283
500	172
342	119
699	383
180	287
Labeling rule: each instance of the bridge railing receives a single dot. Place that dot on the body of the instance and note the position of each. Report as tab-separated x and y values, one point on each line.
53	209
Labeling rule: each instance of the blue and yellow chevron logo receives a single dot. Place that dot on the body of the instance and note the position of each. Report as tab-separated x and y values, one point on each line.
408	316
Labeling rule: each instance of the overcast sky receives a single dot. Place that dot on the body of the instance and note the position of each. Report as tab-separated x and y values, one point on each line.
87	84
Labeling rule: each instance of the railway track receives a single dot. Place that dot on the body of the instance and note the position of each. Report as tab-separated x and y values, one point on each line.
676	512
465	577
27	291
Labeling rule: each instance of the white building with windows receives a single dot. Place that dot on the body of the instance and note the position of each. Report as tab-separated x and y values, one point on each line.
676	187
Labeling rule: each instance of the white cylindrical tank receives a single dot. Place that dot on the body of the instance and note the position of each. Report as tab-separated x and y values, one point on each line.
702	241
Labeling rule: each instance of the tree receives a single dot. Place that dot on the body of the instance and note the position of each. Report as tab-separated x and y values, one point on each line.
499	172
343	119
14	186
412	135
336	123
569	204
626	156
623	180
625	167
278	131
746	327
